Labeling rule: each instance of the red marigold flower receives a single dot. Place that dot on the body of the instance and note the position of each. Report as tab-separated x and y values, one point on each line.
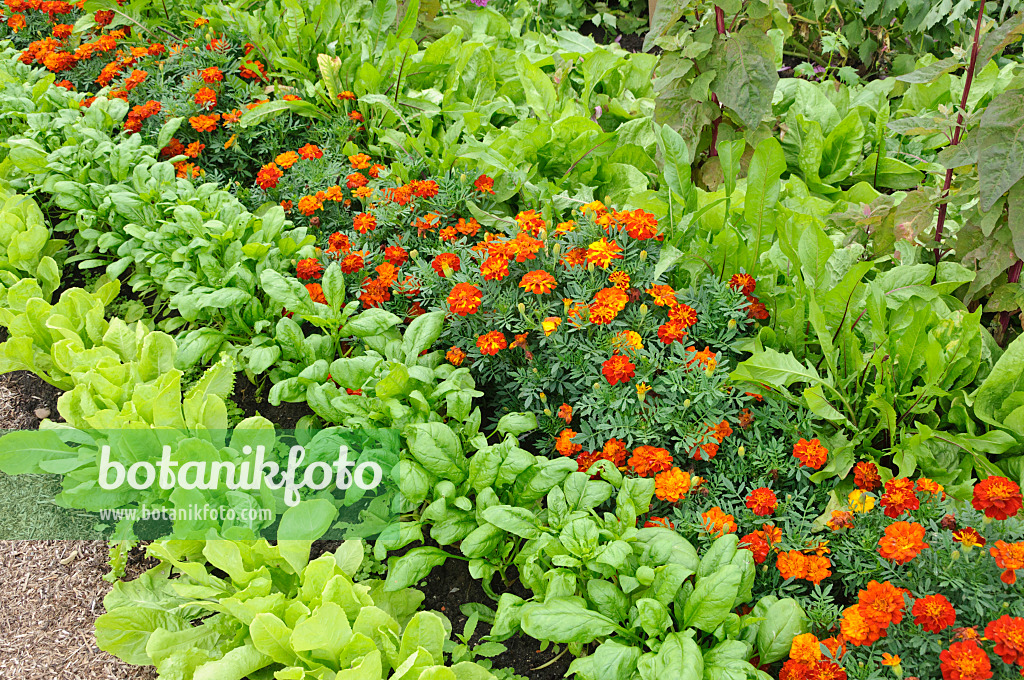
902	542
619	279
647	460
351	263
810	453
449	260
63	30
211	75
717	523
670	332
865	476
424	188
1008	556
615	451
347	95
934	613
762	501
1008	634
744	283
662	522
840	519
899	497
756	543
310	151
965	661
997	497
490	343
103	17
484	184
396	255
309	268
565	413
356	180
683	314
464	299
455	356
538	282
338	243
364	223
268	176
969	537
618	369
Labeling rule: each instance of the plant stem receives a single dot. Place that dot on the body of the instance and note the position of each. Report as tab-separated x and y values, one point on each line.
959	130
720	27
1013	276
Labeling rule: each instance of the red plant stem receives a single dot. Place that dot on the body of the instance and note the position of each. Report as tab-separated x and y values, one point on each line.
959	130
720	26
1013	276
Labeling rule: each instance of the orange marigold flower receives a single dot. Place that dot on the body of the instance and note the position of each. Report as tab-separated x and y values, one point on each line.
619	279
818	568
565	413
615	451
618	369
63	30
491	343
1008	634
538	282
135	79
997	497
706	451
744	283
494	268
484	184
310	151
364	223
647	460
857	629
316	293
639	224
204	122
467	228
355	116
375	293
902	542
232	117
287	159
1008	556
455	356
574	257
933	613
530	222
720	431
360	161
464	299
601	253
926	485
805	648
446	261
899	497
334	194
309	205
672	485
664	296
356	180
717	523
882	603
194	149
347	95
969	537
205	98
564	444
965	661
810	453
841	519
613	298
762	501
792	564
865	476
309	268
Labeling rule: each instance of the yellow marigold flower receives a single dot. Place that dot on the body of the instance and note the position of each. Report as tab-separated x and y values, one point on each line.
642	389
860	501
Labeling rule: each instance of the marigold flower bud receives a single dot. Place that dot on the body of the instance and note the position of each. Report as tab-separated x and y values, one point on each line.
413	253
643	255
522	308
742	451
643	309
955	555
547	412
686	403
544	397
731	324
556	249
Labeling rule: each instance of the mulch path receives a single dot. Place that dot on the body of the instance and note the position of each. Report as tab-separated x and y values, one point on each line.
51	591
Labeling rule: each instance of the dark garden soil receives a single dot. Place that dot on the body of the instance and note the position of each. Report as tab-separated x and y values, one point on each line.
632	42
252	399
